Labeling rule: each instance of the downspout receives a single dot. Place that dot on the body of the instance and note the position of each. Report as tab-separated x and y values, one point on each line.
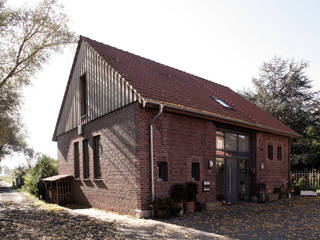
151	150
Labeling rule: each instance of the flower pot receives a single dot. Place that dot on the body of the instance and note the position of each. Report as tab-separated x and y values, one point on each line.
162	213
189	207
180	205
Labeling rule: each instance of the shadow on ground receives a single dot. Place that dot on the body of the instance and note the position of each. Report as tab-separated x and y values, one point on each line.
296	218
25	221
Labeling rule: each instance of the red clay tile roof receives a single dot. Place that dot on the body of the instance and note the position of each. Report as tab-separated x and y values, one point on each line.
156	81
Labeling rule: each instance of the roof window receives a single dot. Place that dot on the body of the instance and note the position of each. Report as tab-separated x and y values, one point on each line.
221	102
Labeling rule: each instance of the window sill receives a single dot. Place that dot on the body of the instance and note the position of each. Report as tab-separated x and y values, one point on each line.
86	179
97	179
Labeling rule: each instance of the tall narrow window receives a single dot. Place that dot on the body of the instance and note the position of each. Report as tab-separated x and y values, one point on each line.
85	156
279	153
76	160
83	95
162	171
270	152
96	157
196	171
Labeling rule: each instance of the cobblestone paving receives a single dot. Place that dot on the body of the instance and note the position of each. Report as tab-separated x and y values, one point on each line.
296	218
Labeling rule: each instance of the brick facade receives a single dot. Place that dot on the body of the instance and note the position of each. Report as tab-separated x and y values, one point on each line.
179	140
275	172
118	189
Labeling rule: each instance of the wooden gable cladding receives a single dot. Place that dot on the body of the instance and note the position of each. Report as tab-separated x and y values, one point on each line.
106	90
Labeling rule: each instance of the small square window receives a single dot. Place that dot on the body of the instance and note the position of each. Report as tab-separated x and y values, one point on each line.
163	171
196	171
270	152
279	153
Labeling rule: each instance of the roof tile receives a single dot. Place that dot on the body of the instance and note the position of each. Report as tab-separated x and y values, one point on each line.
160	82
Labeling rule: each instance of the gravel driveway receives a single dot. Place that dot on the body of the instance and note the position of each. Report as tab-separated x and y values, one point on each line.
296	218
21	219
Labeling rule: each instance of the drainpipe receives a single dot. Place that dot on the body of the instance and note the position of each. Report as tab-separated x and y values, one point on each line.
151	149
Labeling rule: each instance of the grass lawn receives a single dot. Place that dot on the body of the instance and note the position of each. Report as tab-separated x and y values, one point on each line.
7	179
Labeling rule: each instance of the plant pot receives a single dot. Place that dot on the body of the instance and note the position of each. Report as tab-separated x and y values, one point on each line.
189	207
180	205
162	213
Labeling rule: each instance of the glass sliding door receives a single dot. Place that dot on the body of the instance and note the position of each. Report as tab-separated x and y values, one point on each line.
220	179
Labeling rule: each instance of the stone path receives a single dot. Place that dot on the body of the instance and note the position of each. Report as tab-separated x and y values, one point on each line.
135	228
7	193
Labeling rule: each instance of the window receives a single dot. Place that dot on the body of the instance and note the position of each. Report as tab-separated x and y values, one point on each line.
220	142
221	102
279	153
243	143
196	171
162	171
96	157
83	95
231	141
270	152
76	160
85	156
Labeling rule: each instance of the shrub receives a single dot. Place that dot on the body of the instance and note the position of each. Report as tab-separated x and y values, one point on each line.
191	191
178	192
166	204
45	167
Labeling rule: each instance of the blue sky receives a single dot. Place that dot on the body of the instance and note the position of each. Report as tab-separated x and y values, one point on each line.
222	41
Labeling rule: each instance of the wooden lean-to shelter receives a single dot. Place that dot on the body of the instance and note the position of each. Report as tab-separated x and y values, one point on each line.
58	188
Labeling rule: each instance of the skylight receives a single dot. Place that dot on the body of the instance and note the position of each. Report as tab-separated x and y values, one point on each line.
221	102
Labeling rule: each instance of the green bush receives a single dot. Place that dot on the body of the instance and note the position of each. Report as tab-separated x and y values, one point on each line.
178	192
45	167
191	191
166	204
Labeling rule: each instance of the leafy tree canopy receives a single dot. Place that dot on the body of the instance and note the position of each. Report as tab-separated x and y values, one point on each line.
28	37
284	90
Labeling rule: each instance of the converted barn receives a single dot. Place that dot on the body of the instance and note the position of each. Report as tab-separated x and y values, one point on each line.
129	128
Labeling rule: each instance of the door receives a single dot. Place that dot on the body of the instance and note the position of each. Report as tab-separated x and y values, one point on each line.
231	180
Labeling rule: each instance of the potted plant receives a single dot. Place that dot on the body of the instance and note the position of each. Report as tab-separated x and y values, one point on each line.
191	194
178	194
165	208
160	208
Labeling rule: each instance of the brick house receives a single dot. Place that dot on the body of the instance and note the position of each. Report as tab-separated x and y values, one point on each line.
129	128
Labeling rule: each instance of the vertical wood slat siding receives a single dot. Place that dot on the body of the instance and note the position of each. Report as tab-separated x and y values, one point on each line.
106	90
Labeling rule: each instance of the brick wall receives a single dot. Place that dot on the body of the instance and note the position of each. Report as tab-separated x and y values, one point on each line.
179	140
118	189
275	172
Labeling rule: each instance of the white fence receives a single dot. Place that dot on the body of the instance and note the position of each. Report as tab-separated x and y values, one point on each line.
310	178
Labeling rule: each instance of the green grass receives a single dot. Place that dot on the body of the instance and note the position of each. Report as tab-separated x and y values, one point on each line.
7	179
318	192
42	204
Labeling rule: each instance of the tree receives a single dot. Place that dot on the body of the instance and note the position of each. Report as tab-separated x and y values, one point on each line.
284	90
28	37
45	167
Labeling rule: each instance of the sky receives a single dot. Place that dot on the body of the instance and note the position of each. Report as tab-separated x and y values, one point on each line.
222	41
